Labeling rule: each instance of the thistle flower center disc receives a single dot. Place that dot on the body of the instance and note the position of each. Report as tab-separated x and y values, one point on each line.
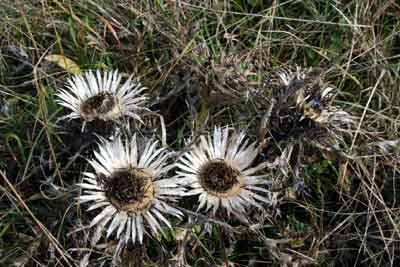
100	104
219	177
130	189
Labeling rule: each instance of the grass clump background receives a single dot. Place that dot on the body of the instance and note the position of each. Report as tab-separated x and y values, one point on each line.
205	64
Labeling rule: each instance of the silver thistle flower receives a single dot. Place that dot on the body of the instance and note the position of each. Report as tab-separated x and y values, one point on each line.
312	98
219	171
129	189
302	111
302	107
102	96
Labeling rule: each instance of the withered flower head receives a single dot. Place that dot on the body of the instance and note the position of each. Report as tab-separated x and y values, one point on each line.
128	187
102	96
303	106
219	170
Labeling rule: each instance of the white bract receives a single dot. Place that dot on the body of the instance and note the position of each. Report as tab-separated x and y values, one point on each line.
287	76
102	96
129	189
219	170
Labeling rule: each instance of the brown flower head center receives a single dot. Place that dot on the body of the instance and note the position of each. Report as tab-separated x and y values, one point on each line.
219	177
131	189
102	103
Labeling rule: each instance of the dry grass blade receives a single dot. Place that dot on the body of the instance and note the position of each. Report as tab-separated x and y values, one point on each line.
62	252
313	84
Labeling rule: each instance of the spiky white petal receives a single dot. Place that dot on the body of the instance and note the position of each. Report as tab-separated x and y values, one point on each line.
234	151
288	76
129	95
110	157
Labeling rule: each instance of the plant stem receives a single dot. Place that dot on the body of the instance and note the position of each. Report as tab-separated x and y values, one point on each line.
222	236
